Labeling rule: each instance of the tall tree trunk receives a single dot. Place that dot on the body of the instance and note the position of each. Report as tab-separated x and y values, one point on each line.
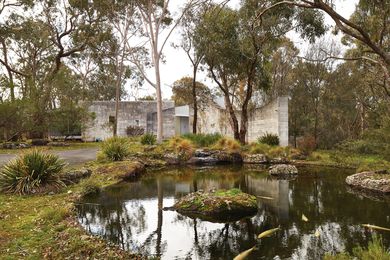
233	118
244	111
195	101
159	101
9	72
117	95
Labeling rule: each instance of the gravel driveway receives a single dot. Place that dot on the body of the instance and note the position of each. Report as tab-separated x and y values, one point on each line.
73	157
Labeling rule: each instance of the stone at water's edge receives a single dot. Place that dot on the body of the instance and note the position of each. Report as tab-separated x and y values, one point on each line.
255	158
202	157
283	170
217	205
373	181
75	176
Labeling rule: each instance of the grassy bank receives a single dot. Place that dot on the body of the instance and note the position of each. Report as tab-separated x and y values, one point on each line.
45	226
336	158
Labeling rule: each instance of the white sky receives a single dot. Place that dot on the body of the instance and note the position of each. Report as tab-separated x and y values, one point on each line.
177	64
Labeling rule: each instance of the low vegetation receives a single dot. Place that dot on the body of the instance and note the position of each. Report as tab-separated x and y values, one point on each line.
45	227
227	144
148	139
269	139
375	250
32	172
181	147
203	140
116	148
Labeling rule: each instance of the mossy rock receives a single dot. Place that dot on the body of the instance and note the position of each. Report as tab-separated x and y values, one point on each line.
376	181
217	205
123	170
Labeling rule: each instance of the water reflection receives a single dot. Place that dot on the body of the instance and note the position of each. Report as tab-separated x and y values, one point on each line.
130	215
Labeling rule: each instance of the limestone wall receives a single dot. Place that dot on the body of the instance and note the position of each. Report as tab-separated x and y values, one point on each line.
271	118
133	113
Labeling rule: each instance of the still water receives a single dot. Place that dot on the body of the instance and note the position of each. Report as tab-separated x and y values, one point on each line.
130	215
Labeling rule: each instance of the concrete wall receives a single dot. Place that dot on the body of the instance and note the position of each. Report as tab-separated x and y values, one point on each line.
131	113
271	118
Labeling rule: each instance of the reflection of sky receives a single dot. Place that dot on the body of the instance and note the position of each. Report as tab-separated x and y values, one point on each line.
134	223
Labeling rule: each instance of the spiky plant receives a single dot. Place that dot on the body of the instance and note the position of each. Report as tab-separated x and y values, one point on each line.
31	172
269	138
148	139
116	148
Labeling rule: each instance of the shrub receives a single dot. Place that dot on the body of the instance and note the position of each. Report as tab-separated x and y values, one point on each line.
307	144
203	140
148	139
227	144
259	148
270	139
31	172
116	148
182	147
278	152
39	142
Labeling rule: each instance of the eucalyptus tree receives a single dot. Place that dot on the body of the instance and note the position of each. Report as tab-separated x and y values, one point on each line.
237	50
182	90
158	27
188	33
124	25
40	41
367	27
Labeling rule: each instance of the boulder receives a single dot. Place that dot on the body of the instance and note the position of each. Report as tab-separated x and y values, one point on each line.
283	170
227	157
75	176
171	159
202	160
217	205
255	158
376	181
202	157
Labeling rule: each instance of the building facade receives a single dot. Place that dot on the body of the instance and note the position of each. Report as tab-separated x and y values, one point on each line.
270	118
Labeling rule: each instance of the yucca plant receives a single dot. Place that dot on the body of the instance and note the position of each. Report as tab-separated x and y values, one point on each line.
116	148
31	172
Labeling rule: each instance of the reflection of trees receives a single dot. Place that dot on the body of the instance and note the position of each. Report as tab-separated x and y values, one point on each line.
122	218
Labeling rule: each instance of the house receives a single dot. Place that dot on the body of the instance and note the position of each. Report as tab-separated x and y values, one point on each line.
142	116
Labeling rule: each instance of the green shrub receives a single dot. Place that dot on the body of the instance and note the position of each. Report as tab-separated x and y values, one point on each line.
203	140
116	148
359	147
148	139
227	144
31	172
270	139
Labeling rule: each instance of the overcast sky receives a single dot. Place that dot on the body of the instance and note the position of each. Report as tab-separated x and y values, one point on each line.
177	64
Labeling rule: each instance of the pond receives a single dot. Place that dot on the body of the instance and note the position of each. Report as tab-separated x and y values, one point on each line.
131	216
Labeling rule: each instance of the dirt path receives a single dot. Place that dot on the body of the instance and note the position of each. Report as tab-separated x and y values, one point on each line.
73	157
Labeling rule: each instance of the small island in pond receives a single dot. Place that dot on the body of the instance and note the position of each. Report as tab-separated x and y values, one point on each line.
217	205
